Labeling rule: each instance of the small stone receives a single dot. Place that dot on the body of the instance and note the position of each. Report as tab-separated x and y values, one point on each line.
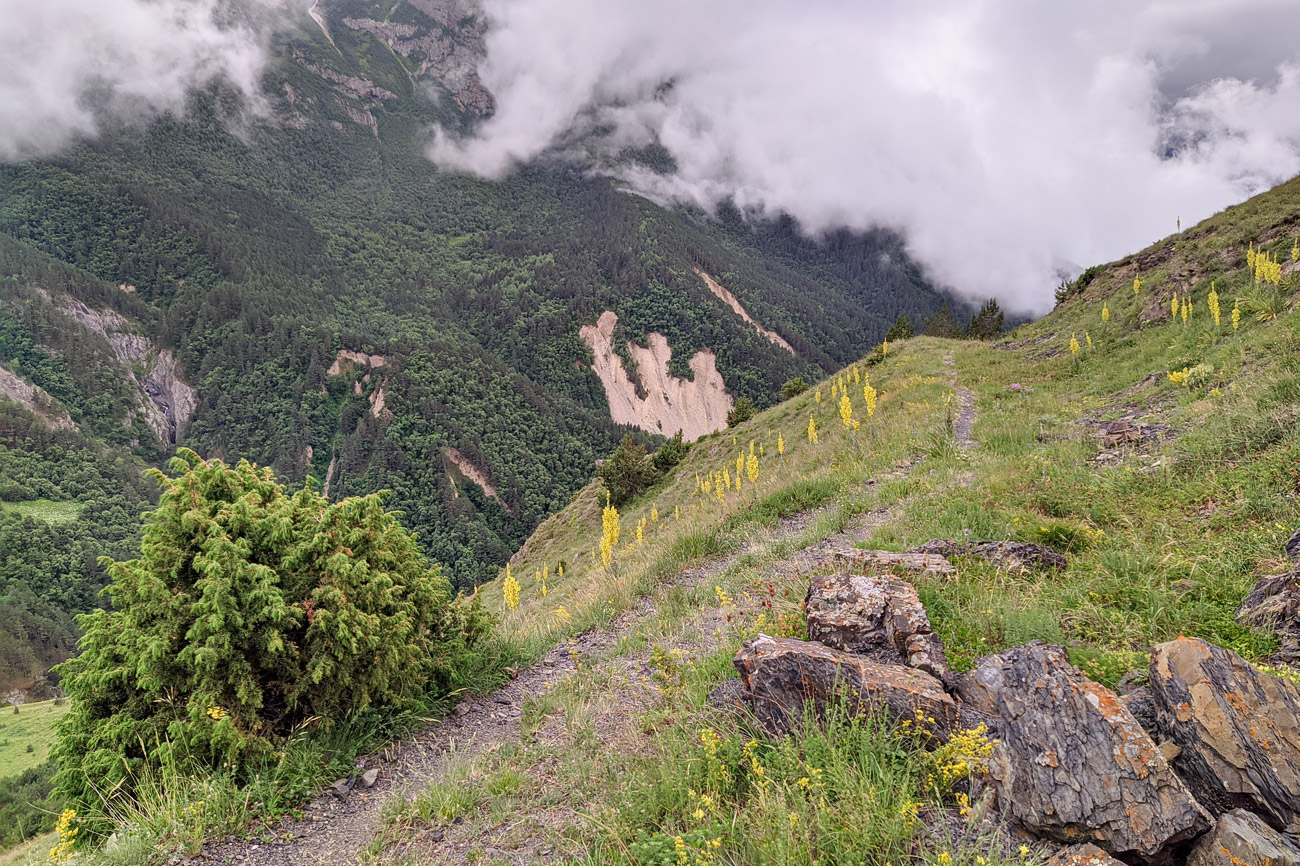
883	560
369	777
461	710
1083	855
728	695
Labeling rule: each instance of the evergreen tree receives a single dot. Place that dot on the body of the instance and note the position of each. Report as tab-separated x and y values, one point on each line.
741	412
627	472
900	330
942	324
987	323
249	613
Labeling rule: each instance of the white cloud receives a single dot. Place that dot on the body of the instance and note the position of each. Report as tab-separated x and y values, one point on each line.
64	62
1007	139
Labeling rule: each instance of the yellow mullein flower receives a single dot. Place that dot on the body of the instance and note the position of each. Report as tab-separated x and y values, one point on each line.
1105	313
812	431
1074	345
846	411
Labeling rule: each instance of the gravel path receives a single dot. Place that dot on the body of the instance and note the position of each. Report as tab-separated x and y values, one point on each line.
965	421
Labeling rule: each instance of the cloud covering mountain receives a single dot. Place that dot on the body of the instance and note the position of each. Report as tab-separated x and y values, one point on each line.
67	64
1010	140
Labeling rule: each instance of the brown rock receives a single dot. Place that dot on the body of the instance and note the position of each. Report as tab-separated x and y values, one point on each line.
1274	604
1017	556
1292	546
1071	762
1238	728
782	675
1242	839
881	618
1083	855
883	560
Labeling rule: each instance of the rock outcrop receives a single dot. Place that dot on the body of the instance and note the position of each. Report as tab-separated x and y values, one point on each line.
1239	838
1016	556
730	300
1071	762
34	399
881	618
782	676
695	407
1238	729
884	560
1292	546
1274	604
166	400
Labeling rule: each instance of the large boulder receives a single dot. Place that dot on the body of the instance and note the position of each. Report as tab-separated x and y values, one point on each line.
1292	546
881	618
1274	604
1239	838
783	675
1014	556
1238	729
1071	762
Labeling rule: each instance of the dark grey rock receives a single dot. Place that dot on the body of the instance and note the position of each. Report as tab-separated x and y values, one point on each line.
1240	838
1072	763
1237	727
881	618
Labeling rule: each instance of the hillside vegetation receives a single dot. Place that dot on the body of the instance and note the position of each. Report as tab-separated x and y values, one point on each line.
210	281
1157	451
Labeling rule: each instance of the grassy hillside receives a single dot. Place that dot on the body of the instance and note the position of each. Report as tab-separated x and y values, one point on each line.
620	758
26	736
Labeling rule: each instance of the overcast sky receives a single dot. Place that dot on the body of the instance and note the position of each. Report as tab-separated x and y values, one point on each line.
1009	140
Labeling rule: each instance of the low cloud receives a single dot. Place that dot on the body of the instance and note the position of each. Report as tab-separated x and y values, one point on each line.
1010	140
67	64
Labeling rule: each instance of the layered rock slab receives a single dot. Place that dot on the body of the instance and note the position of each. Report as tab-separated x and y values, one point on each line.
783	677
1238	729
881	618
1071	762
1239	838
1016	556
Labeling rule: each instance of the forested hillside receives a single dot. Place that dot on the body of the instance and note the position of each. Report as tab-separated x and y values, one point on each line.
298	285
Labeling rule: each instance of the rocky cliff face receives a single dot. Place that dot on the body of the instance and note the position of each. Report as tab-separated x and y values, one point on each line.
165	399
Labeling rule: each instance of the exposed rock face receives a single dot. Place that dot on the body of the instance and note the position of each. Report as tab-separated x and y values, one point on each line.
1071	762
730	300
1274	604
1292	546
1239	838
695	407
781	675
347	357
467	468
886	559
1083	855
1143	707
34	399
1238	729
1014	556
881	618
448	52
167	401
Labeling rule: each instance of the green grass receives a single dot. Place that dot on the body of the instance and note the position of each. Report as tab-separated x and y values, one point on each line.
46	510
26	737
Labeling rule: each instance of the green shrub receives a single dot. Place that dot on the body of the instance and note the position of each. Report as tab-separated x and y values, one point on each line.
793	387
741	412
251	616
671	453
627	472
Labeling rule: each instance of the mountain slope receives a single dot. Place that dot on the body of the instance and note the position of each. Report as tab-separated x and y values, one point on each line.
1169	497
